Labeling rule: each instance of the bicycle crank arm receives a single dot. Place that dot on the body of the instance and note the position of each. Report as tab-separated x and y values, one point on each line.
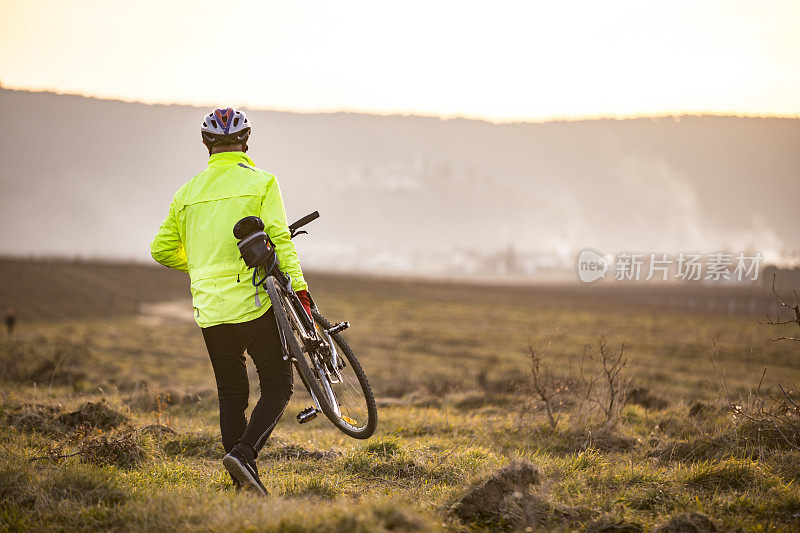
341	326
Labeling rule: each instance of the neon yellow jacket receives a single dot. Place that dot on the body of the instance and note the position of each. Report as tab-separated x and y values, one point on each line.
197	237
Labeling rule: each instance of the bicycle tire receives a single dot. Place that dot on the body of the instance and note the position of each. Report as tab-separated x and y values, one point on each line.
369	398
293	345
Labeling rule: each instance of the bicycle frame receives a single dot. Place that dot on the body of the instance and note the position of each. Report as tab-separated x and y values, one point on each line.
307	339
313	339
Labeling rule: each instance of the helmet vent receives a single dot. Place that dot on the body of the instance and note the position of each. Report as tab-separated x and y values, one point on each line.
214	123
235	122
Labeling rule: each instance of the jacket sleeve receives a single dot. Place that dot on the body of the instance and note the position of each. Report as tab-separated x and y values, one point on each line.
167	247
274	216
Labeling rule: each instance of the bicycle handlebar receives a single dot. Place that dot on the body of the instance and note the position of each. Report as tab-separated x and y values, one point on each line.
294	226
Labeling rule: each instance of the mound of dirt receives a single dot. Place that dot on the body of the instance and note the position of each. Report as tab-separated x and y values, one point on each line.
390	402
532	511
157	430
775	433
52	373
121	450
37	417
610	441
607	524
97	414
701	409
196	397
642	396
688	523
578	439
473	401
145	401
489	501
697	449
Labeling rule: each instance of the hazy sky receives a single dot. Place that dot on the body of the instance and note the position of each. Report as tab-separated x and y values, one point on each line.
497	60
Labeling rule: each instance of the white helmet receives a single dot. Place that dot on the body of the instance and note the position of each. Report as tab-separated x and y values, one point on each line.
225	126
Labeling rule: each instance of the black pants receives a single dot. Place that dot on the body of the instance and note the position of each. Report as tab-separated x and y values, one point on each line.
226	344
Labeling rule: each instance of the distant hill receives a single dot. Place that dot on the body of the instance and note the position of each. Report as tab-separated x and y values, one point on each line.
93	178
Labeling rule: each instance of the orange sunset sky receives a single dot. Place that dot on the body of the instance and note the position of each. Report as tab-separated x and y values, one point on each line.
501	61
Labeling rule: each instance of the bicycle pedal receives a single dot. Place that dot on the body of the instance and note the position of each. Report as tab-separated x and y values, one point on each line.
307	415
341	326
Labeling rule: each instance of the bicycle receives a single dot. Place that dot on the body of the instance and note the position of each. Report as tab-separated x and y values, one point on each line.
325	363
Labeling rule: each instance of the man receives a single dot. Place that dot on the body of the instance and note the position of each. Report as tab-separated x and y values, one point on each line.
11	321
197	237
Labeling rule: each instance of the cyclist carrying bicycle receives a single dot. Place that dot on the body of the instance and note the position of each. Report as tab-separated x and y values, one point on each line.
235	316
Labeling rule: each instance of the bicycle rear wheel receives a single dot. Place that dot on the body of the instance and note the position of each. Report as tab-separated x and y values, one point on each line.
349	394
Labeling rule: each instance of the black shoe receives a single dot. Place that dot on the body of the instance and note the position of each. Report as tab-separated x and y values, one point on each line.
236	485
241	464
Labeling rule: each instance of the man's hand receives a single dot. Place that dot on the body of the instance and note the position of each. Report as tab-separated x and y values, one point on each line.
305	299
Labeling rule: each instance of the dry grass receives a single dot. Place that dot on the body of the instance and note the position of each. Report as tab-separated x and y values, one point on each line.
112	423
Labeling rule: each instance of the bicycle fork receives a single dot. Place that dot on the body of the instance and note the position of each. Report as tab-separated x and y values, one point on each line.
309	413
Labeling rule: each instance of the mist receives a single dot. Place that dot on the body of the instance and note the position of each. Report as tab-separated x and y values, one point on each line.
92	178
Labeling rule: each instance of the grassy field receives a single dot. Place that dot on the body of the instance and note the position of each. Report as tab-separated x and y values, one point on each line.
109	419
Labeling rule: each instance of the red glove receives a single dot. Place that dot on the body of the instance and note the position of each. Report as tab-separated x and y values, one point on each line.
305	299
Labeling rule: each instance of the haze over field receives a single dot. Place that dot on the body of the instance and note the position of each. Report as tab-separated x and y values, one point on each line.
94	178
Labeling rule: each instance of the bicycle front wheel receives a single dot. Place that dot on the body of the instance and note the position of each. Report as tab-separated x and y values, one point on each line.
352	403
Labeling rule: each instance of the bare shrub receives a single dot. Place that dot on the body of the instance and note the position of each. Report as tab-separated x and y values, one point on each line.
598	393
793	307
769	421
543	387
761	419
609	386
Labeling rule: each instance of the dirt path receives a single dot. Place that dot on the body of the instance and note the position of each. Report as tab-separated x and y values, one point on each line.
163	312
